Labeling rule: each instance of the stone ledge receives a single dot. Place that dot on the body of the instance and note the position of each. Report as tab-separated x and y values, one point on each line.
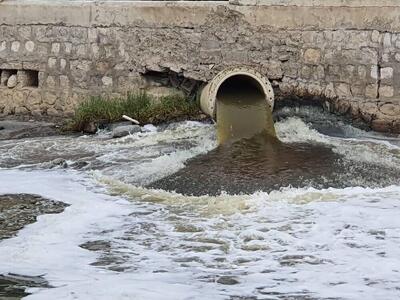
320	3
196	13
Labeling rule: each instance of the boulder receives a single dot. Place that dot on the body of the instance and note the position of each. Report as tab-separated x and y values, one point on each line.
12	81
125	130
149	128
112	126
90	128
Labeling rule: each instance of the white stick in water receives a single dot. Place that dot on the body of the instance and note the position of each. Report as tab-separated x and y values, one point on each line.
130	119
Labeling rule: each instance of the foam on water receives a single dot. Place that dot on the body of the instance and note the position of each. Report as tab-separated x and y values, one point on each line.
290	243
316	243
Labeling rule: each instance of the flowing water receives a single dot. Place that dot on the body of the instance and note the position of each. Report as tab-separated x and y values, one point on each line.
242	111
334	234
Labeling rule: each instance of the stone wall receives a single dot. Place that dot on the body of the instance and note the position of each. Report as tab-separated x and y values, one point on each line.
59	53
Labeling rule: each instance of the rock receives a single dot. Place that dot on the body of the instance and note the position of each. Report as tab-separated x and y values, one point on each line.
12	81
381	125
90	128
58	162
227	280
149	128
36	113
19	210
312	56
125	130
53	112
79	164
112	126
390	109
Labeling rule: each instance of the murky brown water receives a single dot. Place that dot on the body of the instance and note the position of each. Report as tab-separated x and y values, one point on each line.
254	246
242	111
251	158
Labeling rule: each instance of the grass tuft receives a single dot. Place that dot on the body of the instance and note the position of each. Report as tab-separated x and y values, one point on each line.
139	106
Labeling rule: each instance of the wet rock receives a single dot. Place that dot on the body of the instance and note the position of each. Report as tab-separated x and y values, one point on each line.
79	164
112	126
19	210
58	162
125	130
381	125
90	128
227	280
97	245
149	128
14	129
12	81
12	286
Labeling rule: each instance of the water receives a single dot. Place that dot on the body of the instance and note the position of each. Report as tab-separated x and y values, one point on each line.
118	239
242	111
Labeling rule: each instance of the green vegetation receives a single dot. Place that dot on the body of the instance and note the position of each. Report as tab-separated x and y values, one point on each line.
140	106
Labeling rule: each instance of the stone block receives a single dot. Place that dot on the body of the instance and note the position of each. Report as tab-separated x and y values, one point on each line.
51	82
30	46
12	81
53	112
33	99
3	46
330	91
63	64
25	32
55	48
81	51
390	109
387	73
386	91
343	90
107	81
306	72
368	110
64	82
319	72
374	72
366	56
312	56
375	36
371	91
52	62
15	46
67	48
274	70
49	99
358	90
362	72
20	110
387	40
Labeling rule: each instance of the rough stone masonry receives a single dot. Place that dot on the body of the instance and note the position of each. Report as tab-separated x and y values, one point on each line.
345	52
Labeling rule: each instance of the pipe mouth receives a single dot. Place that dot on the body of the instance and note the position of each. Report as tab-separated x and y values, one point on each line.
235	77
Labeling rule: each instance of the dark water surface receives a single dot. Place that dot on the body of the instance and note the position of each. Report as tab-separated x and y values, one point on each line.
265	164
251	158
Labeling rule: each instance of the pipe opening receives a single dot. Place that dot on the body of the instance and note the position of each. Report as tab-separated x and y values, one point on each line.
242	109
241	88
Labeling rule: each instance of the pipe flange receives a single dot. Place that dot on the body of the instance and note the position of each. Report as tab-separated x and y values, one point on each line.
209	93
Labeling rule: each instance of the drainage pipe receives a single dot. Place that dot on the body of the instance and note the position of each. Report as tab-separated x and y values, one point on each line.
208	95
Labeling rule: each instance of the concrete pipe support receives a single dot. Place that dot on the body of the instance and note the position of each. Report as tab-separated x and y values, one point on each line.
208	96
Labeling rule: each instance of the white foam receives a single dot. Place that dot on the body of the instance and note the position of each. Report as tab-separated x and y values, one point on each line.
342	243
319	225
